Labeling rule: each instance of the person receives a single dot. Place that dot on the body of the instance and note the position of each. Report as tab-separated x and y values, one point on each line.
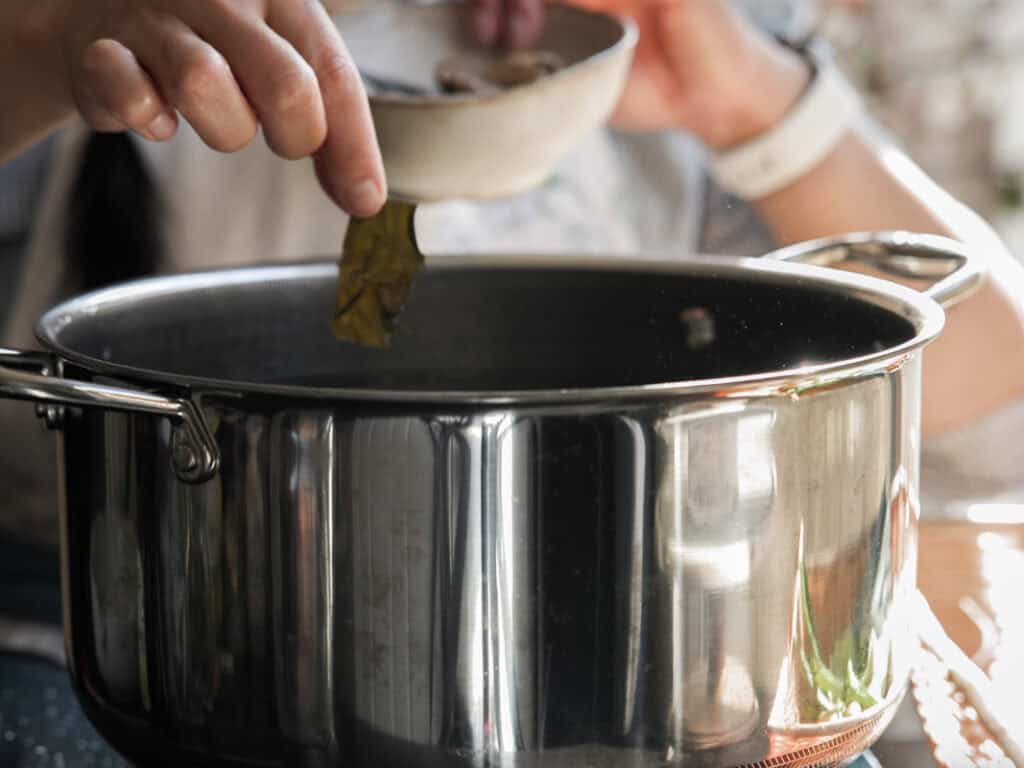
226	67
706	83
196	81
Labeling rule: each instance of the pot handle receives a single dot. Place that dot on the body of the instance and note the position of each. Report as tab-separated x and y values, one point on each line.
33	376
901	254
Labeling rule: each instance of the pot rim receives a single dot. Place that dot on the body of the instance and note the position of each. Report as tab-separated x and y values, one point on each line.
925	315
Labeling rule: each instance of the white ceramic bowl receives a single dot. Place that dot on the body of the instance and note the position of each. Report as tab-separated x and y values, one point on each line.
483	146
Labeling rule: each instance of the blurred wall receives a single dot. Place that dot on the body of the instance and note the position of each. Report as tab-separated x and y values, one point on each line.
947	78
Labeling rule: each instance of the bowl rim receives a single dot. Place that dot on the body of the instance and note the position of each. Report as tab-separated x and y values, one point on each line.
626	43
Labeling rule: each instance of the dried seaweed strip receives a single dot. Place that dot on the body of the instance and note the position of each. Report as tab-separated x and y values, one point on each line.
454	76
379	261
524	67
463	75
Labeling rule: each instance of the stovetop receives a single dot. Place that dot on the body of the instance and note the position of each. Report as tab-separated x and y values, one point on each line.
41	723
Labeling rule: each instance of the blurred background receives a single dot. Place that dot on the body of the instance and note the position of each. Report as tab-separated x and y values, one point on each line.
946	77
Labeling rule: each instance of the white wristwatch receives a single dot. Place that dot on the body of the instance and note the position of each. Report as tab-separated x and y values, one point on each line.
796	144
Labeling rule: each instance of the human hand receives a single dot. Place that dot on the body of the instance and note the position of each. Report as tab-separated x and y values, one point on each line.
507	23
699	66
227	67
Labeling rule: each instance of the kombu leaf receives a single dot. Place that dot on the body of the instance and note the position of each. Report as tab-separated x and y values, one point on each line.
379	261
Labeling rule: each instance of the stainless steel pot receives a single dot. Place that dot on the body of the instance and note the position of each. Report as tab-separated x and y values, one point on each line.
581	514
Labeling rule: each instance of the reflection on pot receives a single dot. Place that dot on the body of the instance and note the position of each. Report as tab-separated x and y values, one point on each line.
510	587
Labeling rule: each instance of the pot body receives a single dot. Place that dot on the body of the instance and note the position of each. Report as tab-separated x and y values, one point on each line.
578	515
686	580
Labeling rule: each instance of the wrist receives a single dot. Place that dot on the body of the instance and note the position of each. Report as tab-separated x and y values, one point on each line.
807	133
768	85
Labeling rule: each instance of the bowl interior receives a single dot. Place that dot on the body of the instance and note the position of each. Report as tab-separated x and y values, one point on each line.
406	43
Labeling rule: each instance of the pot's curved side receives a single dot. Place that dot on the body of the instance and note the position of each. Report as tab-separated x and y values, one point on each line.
714	579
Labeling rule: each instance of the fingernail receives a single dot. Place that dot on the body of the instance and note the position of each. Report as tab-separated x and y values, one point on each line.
364	198
485	22
162	128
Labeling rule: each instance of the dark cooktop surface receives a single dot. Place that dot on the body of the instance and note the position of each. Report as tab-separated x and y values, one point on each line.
41	724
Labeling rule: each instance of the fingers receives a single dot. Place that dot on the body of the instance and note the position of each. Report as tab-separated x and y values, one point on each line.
280	85
197	81
114	93
511	23
524	22
229	67
485	20
348	162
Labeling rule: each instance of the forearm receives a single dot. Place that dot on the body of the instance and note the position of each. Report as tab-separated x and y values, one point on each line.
865	184
852	190
707	70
